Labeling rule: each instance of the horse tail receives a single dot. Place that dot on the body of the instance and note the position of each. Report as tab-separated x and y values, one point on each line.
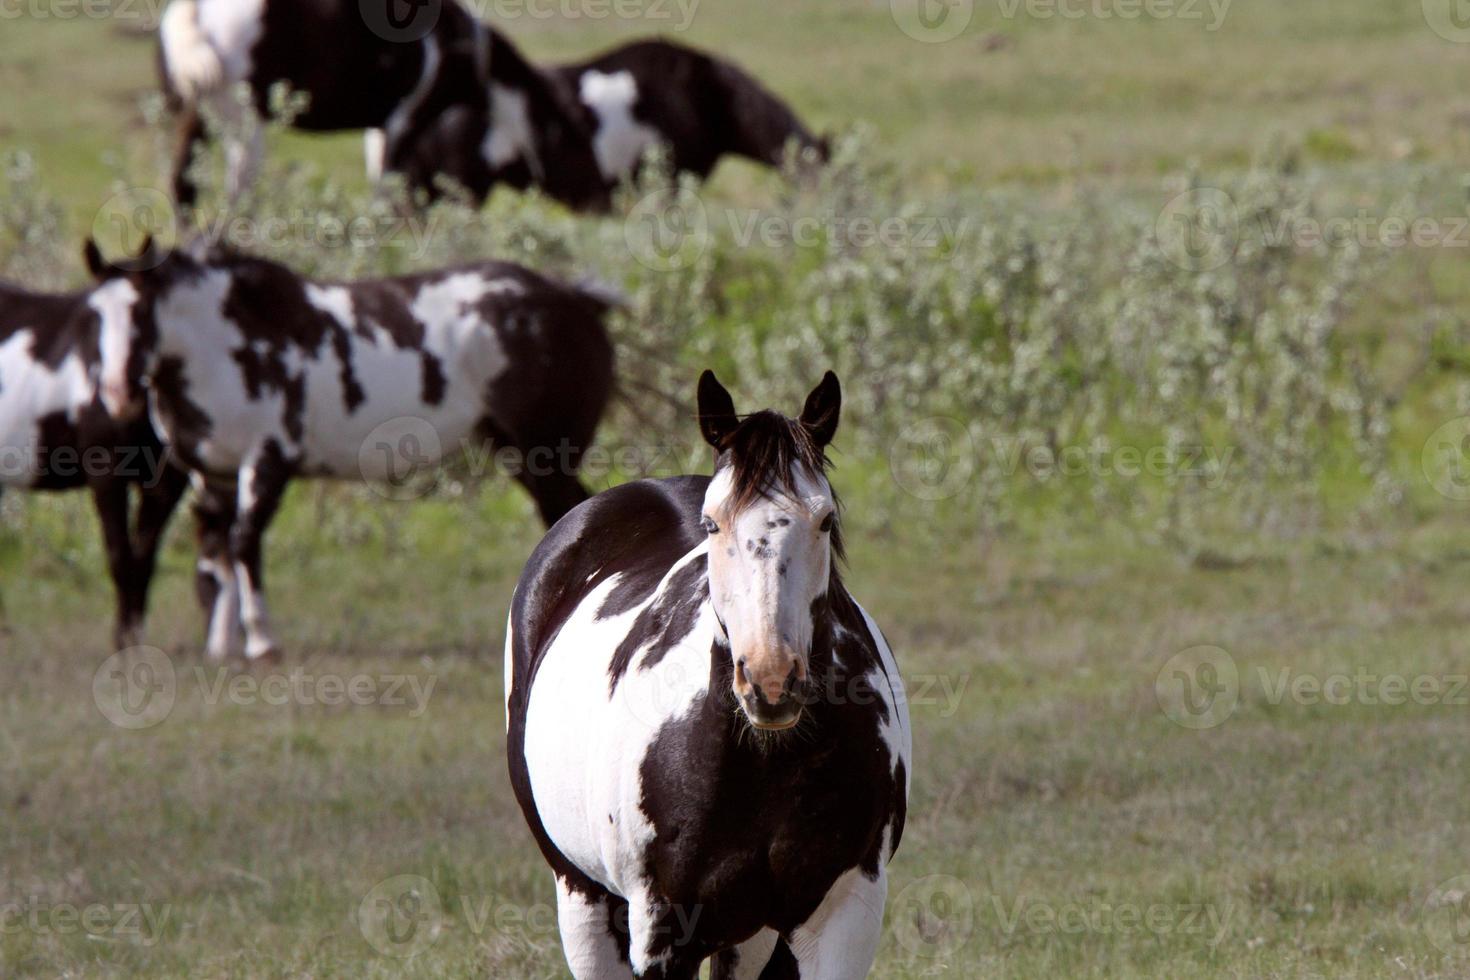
190	64
761	124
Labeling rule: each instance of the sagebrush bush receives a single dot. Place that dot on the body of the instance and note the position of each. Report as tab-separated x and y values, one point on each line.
981	345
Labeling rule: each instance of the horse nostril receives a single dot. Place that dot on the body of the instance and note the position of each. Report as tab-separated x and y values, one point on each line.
792	679
740	668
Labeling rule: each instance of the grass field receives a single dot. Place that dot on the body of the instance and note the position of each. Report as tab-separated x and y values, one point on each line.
1134	759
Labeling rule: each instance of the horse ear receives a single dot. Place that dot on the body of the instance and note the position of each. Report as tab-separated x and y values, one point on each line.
822	410
92	255
716	410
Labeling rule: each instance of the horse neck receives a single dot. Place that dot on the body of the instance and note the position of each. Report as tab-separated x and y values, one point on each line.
51	318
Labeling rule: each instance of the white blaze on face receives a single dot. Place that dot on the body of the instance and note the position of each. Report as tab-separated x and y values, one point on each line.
767	565
621	139
114	303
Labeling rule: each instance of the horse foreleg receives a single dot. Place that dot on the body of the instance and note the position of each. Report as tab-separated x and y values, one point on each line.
155	507
840	940
110	496
263	481
594	948
214	576
189	134
746	961
374	151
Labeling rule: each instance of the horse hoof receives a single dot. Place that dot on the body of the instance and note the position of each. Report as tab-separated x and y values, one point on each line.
268	657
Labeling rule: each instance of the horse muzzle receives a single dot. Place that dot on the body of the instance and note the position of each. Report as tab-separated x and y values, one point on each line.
768	689
120	403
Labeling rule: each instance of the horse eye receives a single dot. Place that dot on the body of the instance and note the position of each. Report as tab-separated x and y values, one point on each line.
827	523
710	527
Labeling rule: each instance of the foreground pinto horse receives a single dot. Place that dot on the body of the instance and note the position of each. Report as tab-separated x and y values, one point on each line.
256	376
698	107
55	435
390	67
707	734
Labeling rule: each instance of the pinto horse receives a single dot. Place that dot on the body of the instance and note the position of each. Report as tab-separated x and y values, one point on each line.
699	108
55	435
708	736
256	376
390	67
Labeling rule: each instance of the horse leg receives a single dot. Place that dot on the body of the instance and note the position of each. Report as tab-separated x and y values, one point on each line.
840	939
596	949
244	145
155	506
375	151
214	576
746	961
189	134
110	496
263	481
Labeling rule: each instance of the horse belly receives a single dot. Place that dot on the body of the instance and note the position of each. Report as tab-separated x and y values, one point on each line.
585	743
392	426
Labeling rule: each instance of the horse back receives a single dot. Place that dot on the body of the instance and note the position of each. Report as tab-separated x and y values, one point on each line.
638	531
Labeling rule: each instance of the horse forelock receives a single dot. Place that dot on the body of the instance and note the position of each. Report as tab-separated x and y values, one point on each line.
766	455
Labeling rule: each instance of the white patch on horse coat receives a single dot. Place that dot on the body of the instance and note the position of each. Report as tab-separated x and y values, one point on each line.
192	63
620	140
30	390
588	792
510	133
230	28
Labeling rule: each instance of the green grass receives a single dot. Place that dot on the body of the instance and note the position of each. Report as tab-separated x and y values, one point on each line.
1061	824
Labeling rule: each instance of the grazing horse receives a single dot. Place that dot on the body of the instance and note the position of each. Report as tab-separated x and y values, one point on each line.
699	108
255	376
363	65
708	736
55	435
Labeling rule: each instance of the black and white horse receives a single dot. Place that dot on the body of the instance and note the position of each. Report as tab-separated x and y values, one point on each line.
697	107
55	435
390	67
707	734
255	376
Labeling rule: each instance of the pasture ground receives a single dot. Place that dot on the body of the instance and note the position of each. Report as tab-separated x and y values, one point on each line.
1063	822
